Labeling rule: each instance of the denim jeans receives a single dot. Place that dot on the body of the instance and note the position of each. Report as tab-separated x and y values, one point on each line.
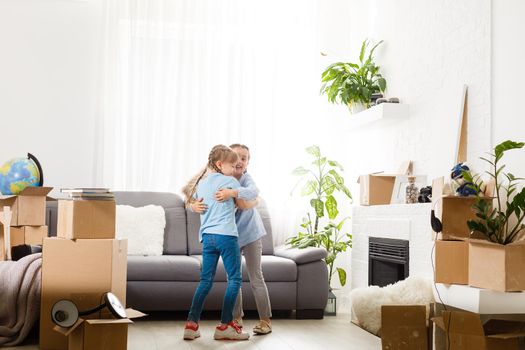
213	247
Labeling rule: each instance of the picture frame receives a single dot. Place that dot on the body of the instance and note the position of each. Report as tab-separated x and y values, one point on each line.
401	182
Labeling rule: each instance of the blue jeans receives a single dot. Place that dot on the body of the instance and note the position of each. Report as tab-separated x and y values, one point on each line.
213	247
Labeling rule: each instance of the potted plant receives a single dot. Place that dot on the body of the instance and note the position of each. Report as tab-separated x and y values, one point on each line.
504	223
498	262
353	84
320	182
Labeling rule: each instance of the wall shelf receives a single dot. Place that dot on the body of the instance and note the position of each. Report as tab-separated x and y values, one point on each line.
383	113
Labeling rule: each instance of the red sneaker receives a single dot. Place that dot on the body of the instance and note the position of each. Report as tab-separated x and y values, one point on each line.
191	331
230	331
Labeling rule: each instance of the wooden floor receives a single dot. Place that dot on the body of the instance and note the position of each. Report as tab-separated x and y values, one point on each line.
165	332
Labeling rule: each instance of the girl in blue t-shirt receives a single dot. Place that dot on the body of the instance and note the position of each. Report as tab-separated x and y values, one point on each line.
219	238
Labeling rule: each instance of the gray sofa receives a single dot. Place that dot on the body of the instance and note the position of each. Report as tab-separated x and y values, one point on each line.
296	278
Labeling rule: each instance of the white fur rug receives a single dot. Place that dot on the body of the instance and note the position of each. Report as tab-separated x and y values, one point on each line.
143	228
367	302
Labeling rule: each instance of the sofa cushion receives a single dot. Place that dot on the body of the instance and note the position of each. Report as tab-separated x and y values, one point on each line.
194	223
175	240
275	269
163	268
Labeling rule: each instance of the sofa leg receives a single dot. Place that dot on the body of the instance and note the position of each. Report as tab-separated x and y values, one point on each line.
307	314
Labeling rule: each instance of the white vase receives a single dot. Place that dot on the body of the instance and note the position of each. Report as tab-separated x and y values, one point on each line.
356	107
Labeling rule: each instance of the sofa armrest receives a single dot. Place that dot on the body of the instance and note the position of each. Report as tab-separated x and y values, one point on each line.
300	256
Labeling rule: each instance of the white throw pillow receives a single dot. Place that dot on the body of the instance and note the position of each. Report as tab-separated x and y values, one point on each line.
143	228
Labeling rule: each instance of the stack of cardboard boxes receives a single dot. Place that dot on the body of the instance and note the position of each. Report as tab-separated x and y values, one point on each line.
466	258
28	218
81	264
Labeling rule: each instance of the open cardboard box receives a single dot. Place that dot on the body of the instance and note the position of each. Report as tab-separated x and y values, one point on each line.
377	188
32	235
86	219
28	207
496	266
451	262
82	271
455	211
466	331
405	327
99	334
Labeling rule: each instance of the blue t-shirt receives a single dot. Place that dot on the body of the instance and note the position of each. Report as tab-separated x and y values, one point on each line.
249	222
219	219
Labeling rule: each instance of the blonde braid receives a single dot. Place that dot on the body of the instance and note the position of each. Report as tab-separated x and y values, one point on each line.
218	153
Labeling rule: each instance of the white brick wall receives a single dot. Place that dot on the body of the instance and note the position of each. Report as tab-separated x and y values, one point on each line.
401	221
431	49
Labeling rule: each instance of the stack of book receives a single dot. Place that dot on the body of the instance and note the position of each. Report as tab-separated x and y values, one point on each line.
88	193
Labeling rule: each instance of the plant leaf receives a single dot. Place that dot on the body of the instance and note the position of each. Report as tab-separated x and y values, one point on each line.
342	276
314	150
336	164
331	207
328	185
506	146
309	188
318	206
300	171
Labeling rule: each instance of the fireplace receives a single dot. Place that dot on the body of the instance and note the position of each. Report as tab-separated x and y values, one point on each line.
388	261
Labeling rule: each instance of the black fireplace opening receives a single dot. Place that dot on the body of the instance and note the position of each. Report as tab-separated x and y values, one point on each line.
387	261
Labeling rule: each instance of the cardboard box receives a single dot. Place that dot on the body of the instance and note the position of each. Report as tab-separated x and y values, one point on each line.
466	331
376	189
497	267
404	327
32	235
99	334
81	271
28	207
454	213
80	219
451	262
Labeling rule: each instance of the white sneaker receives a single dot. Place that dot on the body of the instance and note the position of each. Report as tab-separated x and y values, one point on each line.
191	331
231	331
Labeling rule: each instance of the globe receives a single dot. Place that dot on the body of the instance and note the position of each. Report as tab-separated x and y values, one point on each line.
19	173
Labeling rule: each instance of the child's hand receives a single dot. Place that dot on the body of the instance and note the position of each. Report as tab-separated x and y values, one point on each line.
199	207
224	194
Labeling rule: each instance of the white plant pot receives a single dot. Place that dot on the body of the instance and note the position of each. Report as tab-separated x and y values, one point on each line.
356	108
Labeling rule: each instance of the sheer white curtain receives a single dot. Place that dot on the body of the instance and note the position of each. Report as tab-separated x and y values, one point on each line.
180	76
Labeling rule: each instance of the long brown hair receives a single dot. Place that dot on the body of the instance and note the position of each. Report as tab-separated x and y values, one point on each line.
218	153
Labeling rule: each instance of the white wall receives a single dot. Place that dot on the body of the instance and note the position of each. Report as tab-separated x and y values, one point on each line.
431	49
508	78
48	85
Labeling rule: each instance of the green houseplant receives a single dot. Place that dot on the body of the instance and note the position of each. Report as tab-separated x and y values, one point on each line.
502	224
353	84
320	182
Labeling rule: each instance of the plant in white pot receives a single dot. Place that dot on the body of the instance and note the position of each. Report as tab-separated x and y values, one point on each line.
353	84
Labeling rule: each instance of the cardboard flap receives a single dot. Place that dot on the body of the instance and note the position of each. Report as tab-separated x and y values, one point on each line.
8	199
108	321
132	313
67	331
364	176
466	323
503	329
35	191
